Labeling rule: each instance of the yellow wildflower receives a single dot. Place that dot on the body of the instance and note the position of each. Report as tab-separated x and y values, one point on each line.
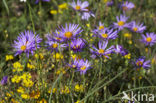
54	90
25	96
63	6
30	66
17	67
128	35
20	90
16	79
128	56
35	94
9	57
42	101
53	12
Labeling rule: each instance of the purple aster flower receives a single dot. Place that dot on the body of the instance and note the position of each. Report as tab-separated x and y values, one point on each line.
4	80
77	44
86	15
74	63
69	32
83	66
101	50
149	39
107	34
79	6
121	22
141	63
101	26
26	42
37	1
53	45
139	28
127	5
110	3
120	50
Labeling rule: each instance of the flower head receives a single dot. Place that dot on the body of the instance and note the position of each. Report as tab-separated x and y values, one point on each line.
107	34
77	44
127	5
139	28
149	39
119	49
79	6
121	22
53	45
83	66
101	50
87	14
141	63
4	80
26	42
69	32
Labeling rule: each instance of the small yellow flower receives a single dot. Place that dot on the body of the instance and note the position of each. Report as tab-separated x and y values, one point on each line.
14	101
20	90
25	96
79	88
35	94
128	35
58	56
30	66
9	57
128	56
16	79
42	101
88	25
17	67
53	12
63	6
54	90
130	42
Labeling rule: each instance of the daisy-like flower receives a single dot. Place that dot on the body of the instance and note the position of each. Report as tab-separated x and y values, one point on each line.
37	1
149	39
53	45
26	42
80	6
101	26
83	66
101	50
127	5
77	44
121	22
120	50
74	63
139	28
86	15
69	32
4	80
107	34
141	63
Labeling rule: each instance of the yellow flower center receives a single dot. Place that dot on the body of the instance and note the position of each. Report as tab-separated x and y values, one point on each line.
139	63
101	27
121	23
101	51
54	45
83	68
77	7
135	29
104	35
149	39
68	34
23	47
